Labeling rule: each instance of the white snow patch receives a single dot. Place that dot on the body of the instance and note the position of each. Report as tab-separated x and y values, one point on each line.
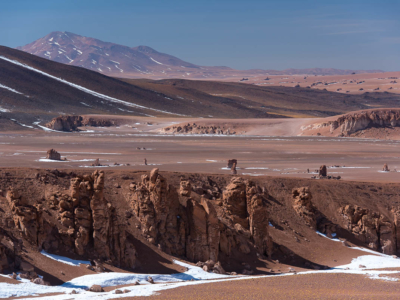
256	168
4	109
48	129
65	260
372	262
21	124
122	71
356	167
50	160
10	89
157	62
253	174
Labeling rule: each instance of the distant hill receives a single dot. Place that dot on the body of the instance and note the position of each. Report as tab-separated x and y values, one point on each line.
142	61
34	89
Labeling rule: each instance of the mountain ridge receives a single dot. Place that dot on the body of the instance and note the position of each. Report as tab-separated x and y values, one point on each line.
143	61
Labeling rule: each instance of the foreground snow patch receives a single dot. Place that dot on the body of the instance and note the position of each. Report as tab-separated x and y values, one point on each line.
170	281
372	262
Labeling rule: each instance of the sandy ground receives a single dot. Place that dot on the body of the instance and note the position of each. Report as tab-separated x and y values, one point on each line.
272	150
352	84
315	286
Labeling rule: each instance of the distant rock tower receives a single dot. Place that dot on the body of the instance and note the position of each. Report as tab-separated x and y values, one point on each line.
322	171
53	155
231	162
385	168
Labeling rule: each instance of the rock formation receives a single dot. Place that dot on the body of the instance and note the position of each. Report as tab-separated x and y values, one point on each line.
351	123
53	155
258	218
371	228
26	217
231	162
193	227
193	128
87	222
233	169
303	206
96	163
322	171
71	123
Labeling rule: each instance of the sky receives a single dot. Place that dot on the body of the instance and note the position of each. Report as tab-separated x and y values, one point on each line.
246	34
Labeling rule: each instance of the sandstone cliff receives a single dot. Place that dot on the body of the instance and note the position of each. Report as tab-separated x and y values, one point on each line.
352	124
122	218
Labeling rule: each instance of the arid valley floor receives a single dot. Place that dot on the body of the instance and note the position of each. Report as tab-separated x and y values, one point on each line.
272	153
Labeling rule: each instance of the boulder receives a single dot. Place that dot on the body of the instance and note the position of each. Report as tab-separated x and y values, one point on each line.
96	288
150	280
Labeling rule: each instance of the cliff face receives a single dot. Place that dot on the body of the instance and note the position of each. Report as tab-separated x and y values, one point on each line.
355	122
185	224
115	217
71	123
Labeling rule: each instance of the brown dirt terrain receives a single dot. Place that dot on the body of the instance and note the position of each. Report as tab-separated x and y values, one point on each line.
318	286
275	100
360	83
272	150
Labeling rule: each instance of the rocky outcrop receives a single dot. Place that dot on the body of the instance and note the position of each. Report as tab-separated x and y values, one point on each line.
185	188
303	206
193	128
203	237
157	207
26	217
53	155
351	123
87	223
92	223
199	229
6	256
375	230
71	123
234	202
231	162
65	123
258	218
322	171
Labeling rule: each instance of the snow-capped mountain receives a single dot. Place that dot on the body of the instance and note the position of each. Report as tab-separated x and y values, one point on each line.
107	58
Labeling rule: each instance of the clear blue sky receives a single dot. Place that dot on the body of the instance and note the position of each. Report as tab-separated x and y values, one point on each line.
246	34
